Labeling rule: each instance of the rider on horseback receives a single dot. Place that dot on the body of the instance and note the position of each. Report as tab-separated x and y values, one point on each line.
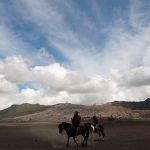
76	121
96	123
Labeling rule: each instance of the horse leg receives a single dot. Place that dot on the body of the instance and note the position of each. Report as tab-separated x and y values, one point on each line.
68	142
99	133
92	136
83	142
103	134
75	141
84	139
87	136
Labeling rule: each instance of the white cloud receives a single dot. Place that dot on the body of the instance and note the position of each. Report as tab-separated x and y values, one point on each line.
7	100
8	92
55	78
50	77
135	77
147	56
58	84
7	87
15	69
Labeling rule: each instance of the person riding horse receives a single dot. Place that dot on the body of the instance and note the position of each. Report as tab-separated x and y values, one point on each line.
76	121
84	130
96	123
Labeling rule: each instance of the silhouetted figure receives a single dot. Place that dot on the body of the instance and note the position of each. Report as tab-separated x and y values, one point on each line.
76	121
98	127
96	123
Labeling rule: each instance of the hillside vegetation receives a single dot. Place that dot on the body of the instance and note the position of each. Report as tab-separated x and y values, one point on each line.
23	109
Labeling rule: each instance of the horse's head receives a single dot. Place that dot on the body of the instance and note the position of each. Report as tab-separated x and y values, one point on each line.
61	127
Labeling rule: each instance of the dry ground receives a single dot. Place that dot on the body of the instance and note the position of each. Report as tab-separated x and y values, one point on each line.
120	135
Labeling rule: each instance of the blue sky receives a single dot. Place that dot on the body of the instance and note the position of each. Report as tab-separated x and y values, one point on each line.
80	42
89	21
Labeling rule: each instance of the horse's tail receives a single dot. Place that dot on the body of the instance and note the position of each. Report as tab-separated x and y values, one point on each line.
92	128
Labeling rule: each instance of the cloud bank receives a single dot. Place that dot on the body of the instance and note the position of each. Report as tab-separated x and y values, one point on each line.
54	84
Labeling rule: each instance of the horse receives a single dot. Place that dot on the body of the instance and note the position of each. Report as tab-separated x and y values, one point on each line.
83	130
99	129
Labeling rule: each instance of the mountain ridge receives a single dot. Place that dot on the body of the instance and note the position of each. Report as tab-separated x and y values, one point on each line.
64	111
141	105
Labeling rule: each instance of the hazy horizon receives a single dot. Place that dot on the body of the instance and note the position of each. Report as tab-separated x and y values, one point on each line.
82	52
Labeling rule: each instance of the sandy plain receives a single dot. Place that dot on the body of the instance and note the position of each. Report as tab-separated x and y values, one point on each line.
120	135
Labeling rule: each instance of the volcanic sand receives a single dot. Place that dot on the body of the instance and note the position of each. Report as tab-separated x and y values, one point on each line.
120	135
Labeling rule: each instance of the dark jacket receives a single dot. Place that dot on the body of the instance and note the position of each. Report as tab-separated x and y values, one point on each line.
76	120
95	120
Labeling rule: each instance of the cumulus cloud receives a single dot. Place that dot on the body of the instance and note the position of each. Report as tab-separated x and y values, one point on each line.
7	87
50	77
57	78
15	69
135	77
8	91
55	83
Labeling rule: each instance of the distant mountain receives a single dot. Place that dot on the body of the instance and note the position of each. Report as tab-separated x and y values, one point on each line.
65	111
23	109
142	105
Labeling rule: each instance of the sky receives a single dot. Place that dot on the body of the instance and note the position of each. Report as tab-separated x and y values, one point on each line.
77	51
